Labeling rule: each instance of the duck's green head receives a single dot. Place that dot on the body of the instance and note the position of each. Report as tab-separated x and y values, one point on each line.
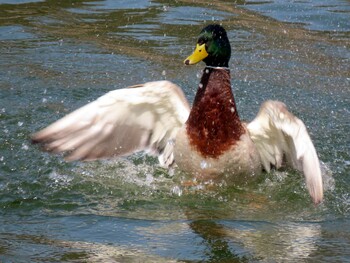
213	47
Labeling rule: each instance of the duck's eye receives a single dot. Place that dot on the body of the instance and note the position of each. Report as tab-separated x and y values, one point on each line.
201	41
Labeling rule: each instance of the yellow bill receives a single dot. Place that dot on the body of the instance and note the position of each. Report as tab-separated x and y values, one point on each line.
198	55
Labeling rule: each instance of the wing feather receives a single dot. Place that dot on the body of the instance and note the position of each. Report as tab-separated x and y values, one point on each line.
143	117
279	135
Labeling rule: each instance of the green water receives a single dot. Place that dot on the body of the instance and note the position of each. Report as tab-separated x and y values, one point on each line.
58	55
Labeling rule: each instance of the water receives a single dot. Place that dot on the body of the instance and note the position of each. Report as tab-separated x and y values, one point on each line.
58	55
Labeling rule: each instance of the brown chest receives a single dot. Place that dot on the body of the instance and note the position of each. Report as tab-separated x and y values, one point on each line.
214	125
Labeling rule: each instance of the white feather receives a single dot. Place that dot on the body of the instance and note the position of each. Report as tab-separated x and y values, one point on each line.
143	117
278	134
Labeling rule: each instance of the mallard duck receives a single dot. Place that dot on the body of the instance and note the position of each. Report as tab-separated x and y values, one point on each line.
207	141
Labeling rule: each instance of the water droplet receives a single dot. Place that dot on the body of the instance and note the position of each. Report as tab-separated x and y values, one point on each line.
149	179
171	142
24	146
207	71
232	109
176	190
44	100
200	85
171	172
20	123
204	164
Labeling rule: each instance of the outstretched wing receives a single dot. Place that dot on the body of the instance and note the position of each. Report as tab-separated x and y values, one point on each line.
143	117
278	136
